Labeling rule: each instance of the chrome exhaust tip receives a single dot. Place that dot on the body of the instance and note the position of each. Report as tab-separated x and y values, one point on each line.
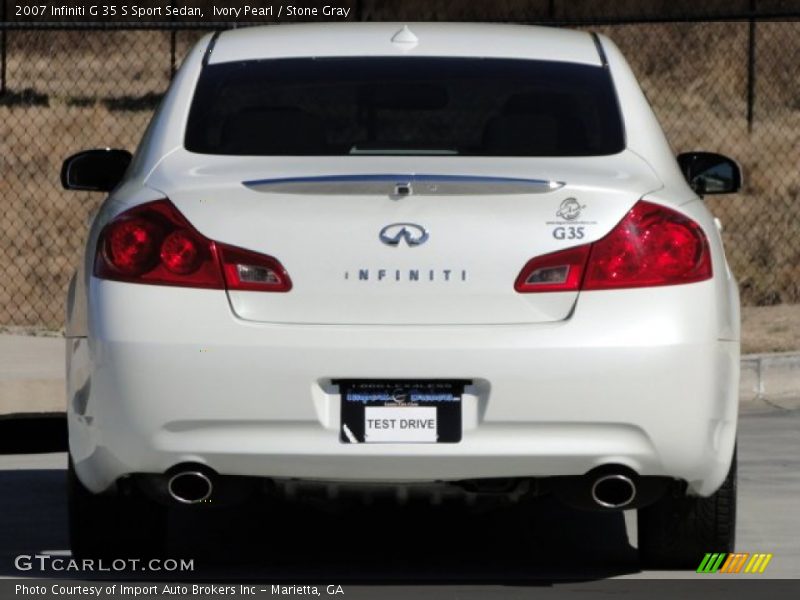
190	487
613	491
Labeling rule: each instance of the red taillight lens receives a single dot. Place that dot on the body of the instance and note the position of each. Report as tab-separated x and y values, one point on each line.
556	272
131	245
154	243
651	246
181	252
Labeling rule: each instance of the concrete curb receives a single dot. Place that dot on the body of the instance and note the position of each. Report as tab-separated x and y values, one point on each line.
771	378
32	377
31	374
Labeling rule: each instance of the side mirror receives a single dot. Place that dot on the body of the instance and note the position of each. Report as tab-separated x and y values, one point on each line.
95	170
710	173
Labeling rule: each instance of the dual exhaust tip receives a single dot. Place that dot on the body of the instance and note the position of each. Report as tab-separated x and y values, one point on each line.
188	484
610	487
613	491
194	486
191	486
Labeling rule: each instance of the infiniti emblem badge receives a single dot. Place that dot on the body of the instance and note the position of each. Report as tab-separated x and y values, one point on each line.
411	233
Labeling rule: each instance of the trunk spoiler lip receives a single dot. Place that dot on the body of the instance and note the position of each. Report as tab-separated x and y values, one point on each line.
404	184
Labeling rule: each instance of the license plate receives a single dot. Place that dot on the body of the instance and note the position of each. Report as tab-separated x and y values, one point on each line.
401	411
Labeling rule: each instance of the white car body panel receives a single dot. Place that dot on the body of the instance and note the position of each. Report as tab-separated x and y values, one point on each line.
242	381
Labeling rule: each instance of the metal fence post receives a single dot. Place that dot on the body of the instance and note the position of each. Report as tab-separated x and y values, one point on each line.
751	66
3	52
172	44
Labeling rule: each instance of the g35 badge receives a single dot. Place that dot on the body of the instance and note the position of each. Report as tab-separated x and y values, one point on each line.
568	233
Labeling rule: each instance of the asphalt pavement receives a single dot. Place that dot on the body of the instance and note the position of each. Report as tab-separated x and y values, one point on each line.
444	548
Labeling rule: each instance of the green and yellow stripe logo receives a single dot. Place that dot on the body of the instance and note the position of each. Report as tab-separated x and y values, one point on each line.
734	562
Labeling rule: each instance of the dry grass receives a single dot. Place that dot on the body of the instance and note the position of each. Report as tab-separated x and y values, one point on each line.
93	89
770	328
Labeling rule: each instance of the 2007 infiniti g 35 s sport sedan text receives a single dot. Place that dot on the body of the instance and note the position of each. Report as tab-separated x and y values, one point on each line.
456	257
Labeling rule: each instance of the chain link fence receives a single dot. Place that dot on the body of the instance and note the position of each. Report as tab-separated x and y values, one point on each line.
730	86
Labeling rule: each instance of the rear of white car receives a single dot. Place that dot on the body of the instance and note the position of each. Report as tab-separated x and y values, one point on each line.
367	254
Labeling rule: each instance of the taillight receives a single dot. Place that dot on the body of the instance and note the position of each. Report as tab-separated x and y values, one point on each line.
154	243
181	252
556	272
652	246
246	270
131	244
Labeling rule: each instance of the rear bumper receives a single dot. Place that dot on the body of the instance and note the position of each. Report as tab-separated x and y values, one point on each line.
633	378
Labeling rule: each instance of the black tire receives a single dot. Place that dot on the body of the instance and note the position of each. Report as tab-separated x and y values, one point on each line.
677	531
113	525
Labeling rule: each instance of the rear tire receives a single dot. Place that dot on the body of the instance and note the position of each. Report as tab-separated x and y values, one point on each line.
677	531
112	525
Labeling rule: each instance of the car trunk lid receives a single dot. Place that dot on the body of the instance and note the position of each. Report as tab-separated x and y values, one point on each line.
436	241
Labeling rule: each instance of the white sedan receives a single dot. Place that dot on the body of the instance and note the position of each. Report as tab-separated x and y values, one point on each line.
451	259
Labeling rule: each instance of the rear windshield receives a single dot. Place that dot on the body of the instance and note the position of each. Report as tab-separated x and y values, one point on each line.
404	106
